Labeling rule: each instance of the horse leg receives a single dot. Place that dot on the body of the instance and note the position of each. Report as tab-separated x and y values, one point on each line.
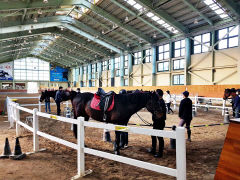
117	141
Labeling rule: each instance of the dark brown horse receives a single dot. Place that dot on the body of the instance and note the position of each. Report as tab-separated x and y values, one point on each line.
125	106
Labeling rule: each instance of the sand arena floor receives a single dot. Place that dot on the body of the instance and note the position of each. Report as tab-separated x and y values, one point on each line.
59	162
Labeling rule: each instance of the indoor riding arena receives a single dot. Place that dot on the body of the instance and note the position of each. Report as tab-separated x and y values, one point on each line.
119	89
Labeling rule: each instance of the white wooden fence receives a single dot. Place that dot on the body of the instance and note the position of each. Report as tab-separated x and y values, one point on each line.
179	135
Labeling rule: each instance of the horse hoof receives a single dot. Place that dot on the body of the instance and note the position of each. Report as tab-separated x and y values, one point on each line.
116	152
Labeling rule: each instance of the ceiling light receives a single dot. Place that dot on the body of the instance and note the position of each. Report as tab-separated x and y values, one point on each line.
29	31
154	35
39	11
35	20
196	21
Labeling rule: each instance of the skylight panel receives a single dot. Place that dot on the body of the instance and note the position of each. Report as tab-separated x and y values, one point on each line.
137	6
155	18
149	14
152	16
131	2
217	8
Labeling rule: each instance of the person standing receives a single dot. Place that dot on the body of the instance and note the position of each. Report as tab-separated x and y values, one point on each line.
78	91
47	102
236	103
158	123
168	102
58	99
185	113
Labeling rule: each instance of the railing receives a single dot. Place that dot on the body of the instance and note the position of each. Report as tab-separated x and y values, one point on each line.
179	135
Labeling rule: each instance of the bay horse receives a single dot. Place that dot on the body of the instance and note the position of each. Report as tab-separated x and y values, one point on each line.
125	106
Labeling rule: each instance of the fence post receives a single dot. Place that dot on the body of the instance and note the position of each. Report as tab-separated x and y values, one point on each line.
196	104
181	153
223	108
39	104
17	115
80	151
35	129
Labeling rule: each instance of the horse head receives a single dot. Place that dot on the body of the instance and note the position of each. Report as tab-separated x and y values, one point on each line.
153	104
42	97
227	93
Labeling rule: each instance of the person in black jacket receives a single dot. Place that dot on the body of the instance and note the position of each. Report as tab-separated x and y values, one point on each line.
47	103
58	100
158	123
185	113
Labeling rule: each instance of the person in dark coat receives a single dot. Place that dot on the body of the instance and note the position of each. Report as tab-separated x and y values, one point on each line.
158	123
236	103
47	103
78	91
185	113
58	100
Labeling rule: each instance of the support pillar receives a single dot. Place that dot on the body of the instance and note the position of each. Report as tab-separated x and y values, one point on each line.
81	76
89	75
154	65
188	61
112	71
122	59
213	40
130	69
100	74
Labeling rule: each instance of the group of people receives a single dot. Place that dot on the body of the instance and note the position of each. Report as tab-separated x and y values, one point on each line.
185	115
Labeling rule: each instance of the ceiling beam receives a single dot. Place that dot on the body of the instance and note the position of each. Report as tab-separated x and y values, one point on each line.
163	15
140	18
61	21
187	2
115	20
232	6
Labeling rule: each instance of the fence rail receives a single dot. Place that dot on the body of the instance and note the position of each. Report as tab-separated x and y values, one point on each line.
179	135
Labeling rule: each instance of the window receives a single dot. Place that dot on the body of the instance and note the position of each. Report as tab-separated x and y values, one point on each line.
84	83
84	69
147	56
163	66
125	82
163	52
93	83
93	70
125	71
229	37
117	66
201	43
31	69
137	58
179	48
178	64
105	65
178	79
126	61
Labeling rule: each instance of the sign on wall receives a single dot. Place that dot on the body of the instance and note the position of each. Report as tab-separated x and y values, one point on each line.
58	74
6	71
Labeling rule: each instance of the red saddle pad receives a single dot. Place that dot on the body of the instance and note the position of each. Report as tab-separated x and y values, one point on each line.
95	103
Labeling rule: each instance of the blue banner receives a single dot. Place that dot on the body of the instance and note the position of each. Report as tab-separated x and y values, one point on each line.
58	74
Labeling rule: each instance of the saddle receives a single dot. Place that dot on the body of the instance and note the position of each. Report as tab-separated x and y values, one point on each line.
103	101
